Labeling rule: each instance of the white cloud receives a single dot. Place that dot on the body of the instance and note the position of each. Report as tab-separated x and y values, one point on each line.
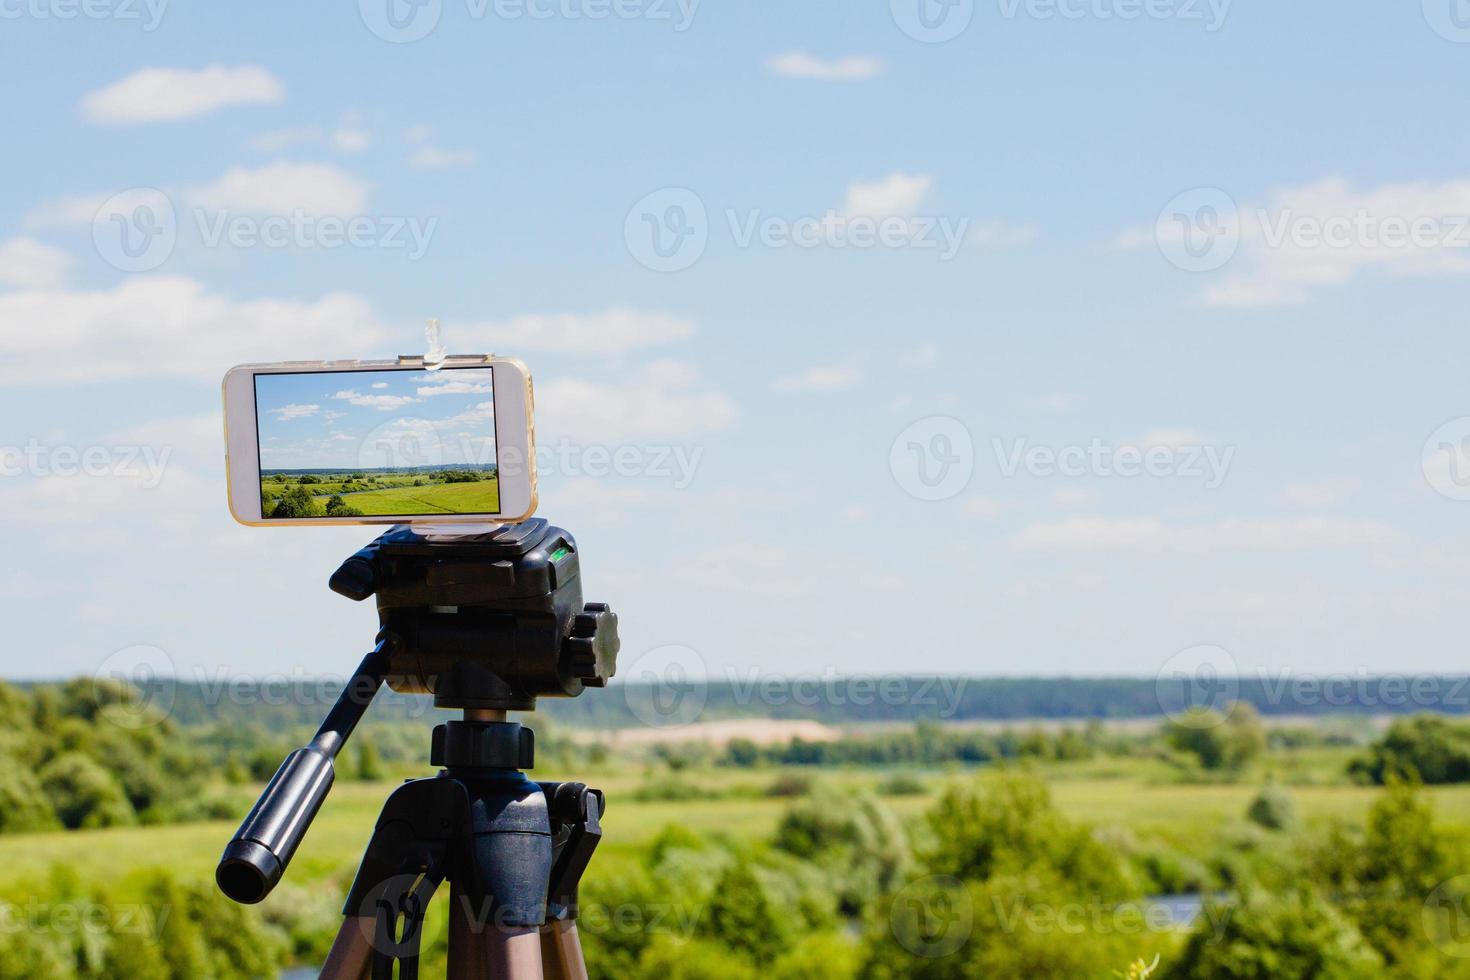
830	377
799	64
157	326
453	388
610	332
1313	237
1173	439
28	263
68	211
283	139
897	195
1149	536
438	158
284	188
350	136
383	403
286	413
165	94
380	384
666	399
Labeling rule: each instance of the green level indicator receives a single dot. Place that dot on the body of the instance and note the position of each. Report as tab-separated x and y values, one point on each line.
560	553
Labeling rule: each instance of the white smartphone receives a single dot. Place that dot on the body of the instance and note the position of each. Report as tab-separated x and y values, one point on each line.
380	442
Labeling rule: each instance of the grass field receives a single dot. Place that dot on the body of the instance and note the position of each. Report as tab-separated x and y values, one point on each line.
381	493
1187	816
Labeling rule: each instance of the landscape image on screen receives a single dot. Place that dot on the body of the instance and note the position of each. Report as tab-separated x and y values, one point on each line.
377	443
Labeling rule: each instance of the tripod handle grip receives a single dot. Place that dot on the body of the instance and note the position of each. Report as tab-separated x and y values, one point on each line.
257	857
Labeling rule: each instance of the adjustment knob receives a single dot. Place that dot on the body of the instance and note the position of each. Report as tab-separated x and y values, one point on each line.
591	652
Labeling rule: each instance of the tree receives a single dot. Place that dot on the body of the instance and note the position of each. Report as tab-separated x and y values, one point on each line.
742	918
24	805
1432	749
1219	742
294	503
84	794
742	752
337	507
1298	936
369	762
1272	809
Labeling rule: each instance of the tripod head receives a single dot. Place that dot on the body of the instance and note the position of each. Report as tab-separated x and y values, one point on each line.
486	621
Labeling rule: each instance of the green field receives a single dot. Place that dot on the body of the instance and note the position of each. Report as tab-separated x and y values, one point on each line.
380	493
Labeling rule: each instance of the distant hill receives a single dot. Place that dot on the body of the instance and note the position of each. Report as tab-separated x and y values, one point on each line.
839	701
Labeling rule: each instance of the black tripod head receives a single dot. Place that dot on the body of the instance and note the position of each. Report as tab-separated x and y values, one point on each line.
486	621
489	620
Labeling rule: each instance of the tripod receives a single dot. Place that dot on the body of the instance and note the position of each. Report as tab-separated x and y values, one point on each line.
485	623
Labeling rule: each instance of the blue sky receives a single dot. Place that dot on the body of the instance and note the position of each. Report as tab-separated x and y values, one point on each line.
1078	339
375	419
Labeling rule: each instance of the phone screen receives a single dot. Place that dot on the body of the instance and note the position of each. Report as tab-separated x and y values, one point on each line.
378	443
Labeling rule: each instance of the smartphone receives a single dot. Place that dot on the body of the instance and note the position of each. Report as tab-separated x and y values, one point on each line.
380	442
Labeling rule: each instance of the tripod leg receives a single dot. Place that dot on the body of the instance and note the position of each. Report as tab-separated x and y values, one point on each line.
480	950
514	954
561	951
352	951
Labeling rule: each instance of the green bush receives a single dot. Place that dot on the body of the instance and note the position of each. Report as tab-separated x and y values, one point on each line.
1272	809
24	805
1298	936
84	795
1432	749
1219	742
